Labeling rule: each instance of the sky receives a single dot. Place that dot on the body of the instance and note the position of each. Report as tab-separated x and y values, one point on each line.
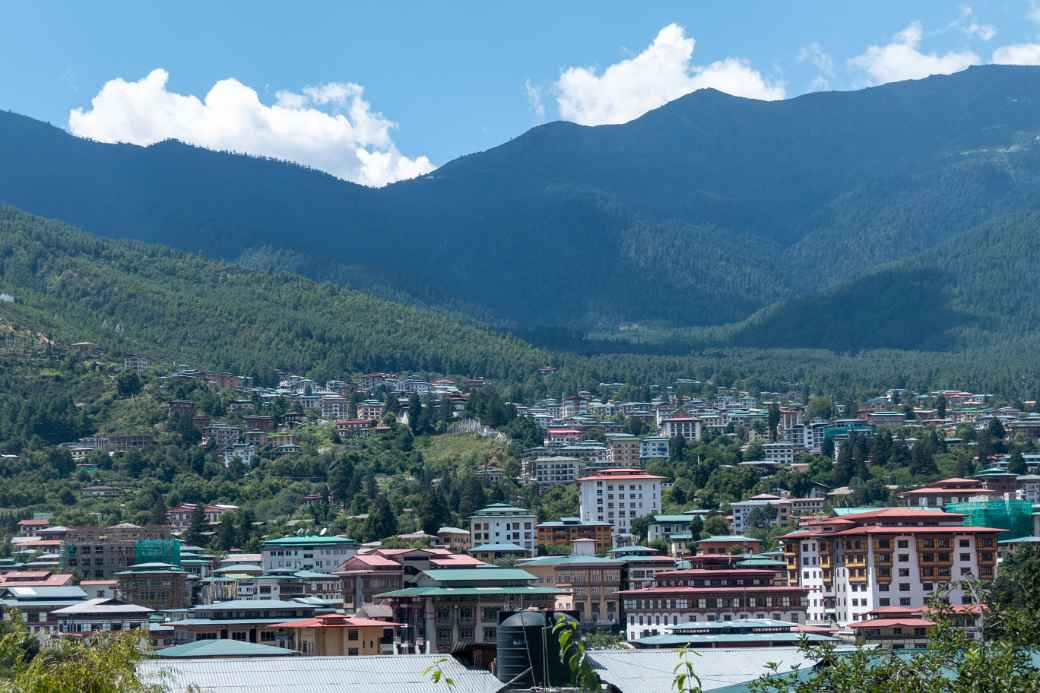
375	92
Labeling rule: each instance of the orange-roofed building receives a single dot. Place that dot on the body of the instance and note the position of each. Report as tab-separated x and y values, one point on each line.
941	493
365	575
335	635
35	578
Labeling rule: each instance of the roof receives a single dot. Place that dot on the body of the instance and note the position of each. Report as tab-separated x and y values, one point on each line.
103	606
44	592
793	638
731	538
499	547
577	560
469	591
399	673
222	648
478	574
685	519
892	622
249	605
622	475
652	671
337	621
305	540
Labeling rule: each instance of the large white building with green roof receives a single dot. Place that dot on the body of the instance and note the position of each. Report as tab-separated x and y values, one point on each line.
501	523
316	553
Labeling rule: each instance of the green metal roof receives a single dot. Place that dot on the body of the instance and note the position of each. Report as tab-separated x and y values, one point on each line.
469	591
577	560
678	640
760	563
498	547
685	519
223	648
501	509
478	574
307	540
573	522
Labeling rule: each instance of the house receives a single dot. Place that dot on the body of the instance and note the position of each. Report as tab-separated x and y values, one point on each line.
591	581
36	605
729	543
456	539
662	527
947	491
364	576
31	528
100	615
371	409
332	635
550	471
180	517
498	552
738	633
346	428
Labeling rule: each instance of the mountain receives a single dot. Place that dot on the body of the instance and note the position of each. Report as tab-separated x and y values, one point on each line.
702	212
134	297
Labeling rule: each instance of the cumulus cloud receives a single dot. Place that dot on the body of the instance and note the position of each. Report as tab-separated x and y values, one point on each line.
331	127
662	72
1018	54
902	59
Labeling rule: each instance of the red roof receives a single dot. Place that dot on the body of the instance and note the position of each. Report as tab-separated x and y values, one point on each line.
27	574
56	580
620	474
33	523
375	560
886	622
456	562
939	490
897	513
902	529
715	572
336	621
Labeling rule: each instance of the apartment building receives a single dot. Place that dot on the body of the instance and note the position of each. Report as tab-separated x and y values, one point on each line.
687	427
313	553
550	471
567	530
100	552
619	496
890	557
501	523
941	493
710	595
652	448
623	450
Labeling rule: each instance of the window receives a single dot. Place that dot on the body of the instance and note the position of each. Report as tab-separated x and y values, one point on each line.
352	652
352	635
904	587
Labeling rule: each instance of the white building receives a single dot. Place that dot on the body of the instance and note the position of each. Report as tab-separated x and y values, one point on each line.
741	510
687	427
780	453
653	448
500	523
551	471
315	553
619	496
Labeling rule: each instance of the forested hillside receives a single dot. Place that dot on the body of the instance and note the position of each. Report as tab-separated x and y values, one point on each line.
698	213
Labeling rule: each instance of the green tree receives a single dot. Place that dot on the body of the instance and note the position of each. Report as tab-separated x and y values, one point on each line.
715	526
128	384
1017	463
382	522
193	536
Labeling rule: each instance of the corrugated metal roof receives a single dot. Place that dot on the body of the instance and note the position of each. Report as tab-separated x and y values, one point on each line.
400	673
467	591
652	671
478	574
223	648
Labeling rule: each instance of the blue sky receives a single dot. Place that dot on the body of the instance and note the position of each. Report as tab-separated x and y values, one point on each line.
407	86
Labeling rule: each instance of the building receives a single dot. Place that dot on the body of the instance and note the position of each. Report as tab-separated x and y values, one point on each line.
99	616
567	530
550	471
652	448
898	628
364	576
592	583
619	496
779	453
662	527
942	493
245	620
333	635
460	609
739	633
371	409
221	435
501	523
863	561
728	544
710	595
36	604
158	586
688	427
315	553
347	428
100	552
180	517
623	450
455	538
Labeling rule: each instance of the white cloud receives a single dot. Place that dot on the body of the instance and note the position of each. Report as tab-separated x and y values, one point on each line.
814	54
344	137
986	32
902	59
534	100
1018	54
1034	12
662	72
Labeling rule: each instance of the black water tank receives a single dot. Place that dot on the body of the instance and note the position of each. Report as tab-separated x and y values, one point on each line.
526	641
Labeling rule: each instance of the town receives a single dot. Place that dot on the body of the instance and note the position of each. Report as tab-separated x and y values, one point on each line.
698	516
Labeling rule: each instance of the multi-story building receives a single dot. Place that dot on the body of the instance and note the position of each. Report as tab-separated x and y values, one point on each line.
180	517
455	538
711	595
220	434
100	615
333	406
244	620
501	523
766	504
567	530
337	635
662	527
652	448
347	428
550	471
623	450
728	544
158	586
619	496
365	575
688	427
371	409
458	608
860	562
779	453
100	552
592	583
314	553
898	628
942	493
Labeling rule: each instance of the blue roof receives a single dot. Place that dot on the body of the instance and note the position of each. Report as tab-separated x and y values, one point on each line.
223	648
498	547
249	605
